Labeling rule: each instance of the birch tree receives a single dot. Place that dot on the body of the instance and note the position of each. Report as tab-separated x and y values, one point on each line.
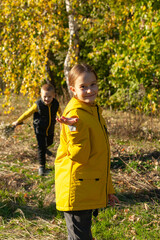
73	49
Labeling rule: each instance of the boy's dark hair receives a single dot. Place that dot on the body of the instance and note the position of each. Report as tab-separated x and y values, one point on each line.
47	87
77	70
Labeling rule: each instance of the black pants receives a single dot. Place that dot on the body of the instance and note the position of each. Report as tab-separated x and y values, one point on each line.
79	224
43	142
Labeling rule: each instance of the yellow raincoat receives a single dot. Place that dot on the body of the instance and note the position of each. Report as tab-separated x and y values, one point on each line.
82	165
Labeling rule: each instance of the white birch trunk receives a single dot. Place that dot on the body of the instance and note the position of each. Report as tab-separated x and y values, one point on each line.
73	50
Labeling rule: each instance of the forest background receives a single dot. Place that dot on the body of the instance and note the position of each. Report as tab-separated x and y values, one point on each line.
41	40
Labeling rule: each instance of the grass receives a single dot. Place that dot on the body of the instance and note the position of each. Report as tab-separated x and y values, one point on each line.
127	223
27	201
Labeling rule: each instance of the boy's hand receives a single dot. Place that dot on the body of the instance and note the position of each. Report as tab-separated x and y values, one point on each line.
113	199
15	123
67	121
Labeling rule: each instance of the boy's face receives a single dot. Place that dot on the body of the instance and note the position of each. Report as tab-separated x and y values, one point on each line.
47	96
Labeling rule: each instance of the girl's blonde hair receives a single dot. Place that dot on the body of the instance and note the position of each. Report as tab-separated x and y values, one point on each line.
77	70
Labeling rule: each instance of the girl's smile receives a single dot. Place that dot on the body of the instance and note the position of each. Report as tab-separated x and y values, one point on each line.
85	88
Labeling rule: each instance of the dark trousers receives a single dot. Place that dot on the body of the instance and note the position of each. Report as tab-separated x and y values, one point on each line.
79	224
43	142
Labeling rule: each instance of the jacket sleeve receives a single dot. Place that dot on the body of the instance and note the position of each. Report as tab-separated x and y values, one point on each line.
28	113
110	185
59	112
110	188
78	142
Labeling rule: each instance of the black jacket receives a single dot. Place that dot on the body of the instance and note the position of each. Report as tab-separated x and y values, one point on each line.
44	120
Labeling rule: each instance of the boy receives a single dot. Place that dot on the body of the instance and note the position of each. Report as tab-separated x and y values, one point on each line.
44	113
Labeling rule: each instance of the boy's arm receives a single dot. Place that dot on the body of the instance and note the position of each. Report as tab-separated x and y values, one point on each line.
59	112
26	114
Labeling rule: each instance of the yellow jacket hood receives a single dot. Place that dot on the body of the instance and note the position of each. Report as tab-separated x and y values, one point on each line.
77	104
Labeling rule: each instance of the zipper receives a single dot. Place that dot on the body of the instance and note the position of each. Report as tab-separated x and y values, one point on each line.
103	126
49	124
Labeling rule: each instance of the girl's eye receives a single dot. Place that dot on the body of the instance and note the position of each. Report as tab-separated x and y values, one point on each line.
82	87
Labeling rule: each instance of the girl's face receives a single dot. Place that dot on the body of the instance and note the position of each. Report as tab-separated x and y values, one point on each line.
85	88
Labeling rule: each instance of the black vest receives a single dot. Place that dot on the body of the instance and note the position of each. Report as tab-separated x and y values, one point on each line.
45	119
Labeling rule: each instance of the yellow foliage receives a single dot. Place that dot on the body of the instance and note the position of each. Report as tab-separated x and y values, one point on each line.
153	106
30	28
144	8
149	96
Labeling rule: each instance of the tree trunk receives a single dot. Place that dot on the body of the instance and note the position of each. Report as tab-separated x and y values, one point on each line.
73	50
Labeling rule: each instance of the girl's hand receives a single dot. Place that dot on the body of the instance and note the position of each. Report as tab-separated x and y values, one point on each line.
113	199
67	121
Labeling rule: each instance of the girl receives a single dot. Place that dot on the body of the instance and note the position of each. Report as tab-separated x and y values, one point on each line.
82	166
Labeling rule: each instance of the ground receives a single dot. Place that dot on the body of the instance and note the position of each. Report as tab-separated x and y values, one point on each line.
27	201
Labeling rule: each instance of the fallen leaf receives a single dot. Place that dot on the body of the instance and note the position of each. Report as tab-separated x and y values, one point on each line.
146	206
126	210
131	218
115	216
